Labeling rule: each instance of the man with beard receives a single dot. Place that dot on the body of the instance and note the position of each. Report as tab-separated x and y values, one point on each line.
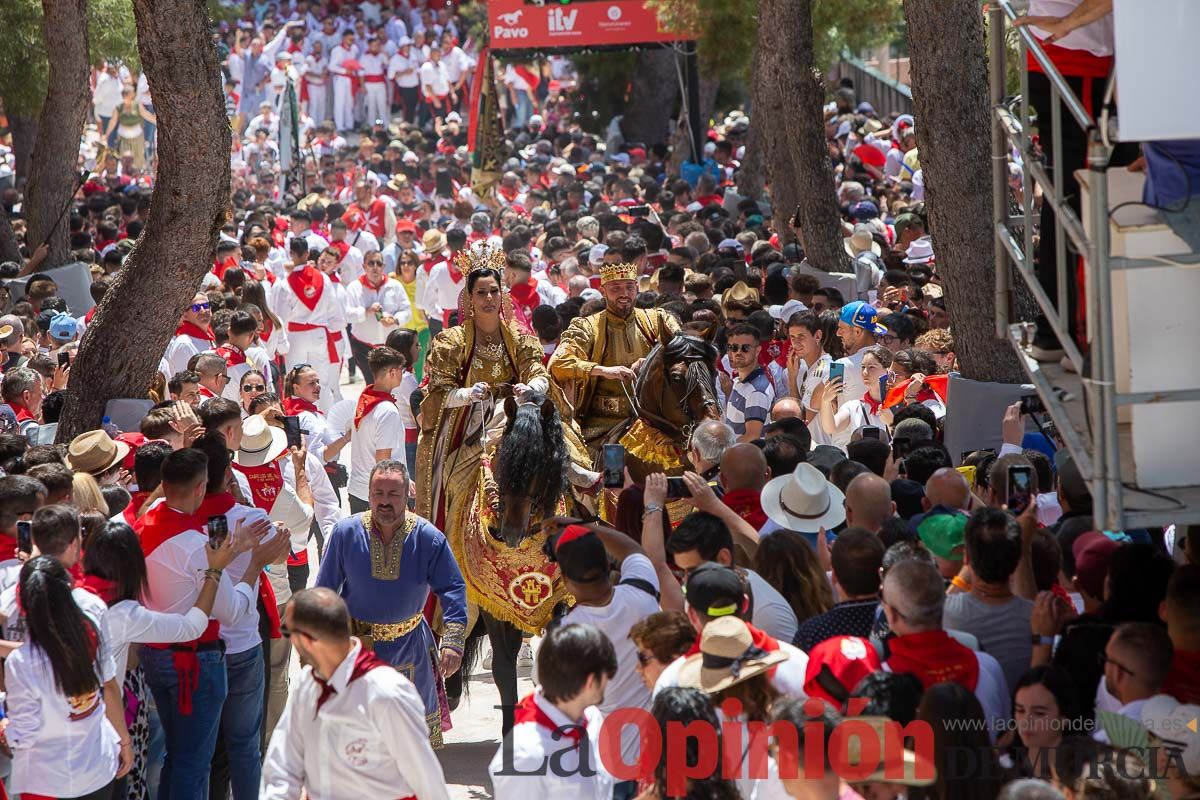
384	563
350	730
598	356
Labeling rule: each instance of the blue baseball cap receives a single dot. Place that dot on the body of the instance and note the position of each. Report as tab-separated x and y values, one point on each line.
864	210
63	327
862	315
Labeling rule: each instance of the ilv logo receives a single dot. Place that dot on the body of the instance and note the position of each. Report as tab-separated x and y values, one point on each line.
507	29
560	21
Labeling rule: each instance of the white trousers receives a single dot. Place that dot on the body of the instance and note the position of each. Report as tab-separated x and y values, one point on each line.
343	103
318	102
376	103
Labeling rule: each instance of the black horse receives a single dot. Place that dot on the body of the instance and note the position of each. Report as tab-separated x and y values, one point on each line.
530	471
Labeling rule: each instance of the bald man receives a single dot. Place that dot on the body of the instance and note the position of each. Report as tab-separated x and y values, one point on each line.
869	502
947	487
786	408
744	473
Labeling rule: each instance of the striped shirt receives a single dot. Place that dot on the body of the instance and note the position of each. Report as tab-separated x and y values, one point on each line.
749	400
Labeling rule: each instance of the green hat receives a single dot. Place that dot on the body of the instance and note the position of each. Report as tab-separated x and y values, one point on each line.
904	220
942	533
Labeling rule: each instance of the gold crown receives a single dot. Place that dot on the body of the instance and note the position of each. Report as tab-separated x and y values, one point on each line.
618	272
480	256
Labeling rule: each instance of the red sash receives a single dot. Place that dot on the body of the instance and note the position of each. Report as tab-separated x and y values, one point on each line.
1183	679
232	354
367	402
748	505
191	329
331	337
156	526
374	78
308	283
529	711
136	501
1073	63
934	657
292	406
364	662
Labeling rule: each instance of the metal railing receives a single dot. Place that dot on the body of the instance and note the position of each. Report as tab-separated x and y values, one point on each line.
884	93
1096	451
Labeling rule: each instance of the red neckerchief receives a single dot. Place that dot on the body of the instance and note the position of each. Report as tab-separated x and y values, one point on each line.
22	413
873	405
455	275
212	505
220	267
8	546
266	482
363	280
205	392
748	505
364	662
308	284
160	524
525	295
508	194
232	354
103	588
292	406
341	247
367	401
934	657
774	350
935	388
87	318
1183	679
192	329
529	711
136	501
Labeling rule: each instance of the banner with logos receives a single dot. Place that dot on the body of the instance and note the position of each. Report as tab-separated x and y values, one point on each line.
524	25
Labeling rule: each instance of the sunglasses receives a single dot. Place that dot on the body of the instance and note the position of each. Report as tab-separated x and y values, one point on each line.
253	387
198	307
742	348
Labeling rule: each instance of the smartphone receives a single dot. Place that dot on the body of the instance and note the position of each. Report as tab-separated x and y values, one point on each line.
1032	404
870	432
638	211
883	387
64	360
614	466
676	489
24	536
837	371
218	530
291	427
1020	488
900	447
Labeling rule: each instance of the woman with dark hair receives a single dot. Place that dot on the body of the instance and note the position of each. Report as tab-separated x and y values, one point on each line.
254	293
301	391
66	721
1043	712
674	708
787	562
964	741
660	639
115	570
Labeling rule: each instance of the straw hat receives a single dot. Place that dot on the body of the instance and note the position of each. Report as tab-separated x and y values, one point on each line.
912	769
727	656
95	452
804	501
261	443
434	241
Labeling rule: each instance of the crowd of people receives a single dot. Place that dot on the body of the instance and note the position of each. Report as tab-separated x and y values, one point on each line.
327	417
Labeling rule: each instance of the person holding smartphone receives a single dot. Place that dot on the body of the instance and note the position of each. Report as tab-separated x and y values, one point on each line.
840	416
808	363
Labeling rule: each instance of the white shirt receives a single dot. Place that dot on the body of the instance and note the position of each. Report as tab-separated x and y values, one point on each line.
1095	37
457	62
530	745
14	621
176	574
328	311
434	79
128	621
854	388
107	95
338	55
403	395
373	64
180	352
390	296
381	429
326	507
441	292
772	614
242	635
405	69
629	605
46	728
368	740
808	378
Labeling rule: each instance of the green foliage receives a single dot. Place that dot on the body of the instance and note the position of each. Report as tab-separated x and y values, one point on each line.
23	62
604	81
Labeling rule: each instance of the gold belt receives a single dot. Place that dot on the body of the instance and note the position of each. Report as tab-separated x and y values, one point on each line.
385	631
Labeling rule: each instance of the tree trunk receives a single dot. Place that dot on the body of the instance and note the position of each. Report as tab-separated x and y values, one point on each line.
653	98
946	39
24	134
751	180
122	347
52	176
789	97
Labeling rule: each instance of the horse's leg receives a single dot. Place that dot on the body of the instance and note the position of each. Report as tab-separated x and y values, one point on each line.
506	643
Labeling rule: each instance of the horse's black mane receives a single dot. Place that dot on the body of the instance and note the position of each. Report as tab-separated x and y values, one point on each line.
532	458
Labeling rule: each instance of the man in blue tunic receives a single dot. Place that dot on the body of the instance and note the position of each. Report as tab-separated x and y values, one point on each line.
384	563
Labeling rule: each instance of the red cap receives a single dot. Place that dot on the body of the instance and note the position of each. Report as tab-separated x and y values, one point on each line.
844	659
637	152
554	86
406	225
570	534
134	440
1093	553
